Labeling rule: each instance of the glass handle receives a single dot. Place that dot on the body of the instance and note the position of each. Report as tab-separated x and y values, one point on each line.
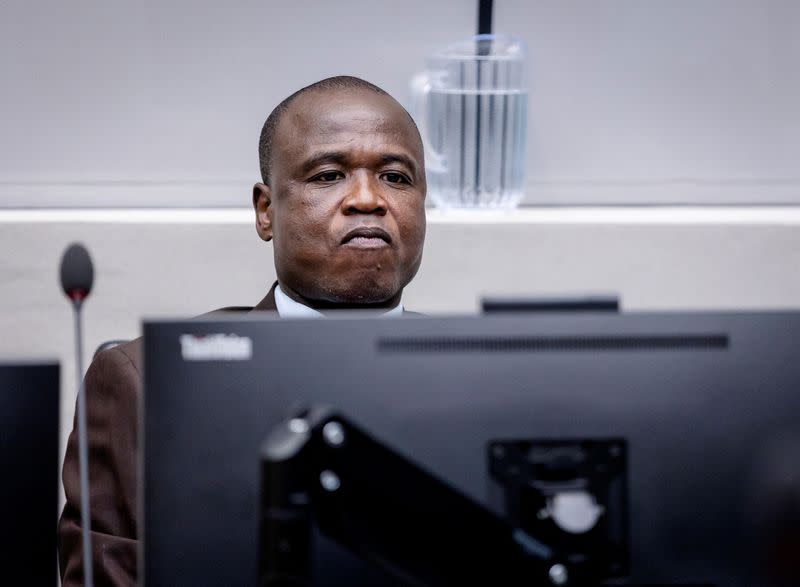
421	85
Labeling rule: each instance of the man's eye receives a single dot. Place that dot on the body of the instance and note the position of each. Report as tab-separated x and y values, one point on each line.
328	176
393	177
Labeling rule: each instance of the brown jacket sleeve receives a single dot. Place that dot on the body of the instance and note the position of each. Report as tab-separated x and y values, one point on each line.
112	387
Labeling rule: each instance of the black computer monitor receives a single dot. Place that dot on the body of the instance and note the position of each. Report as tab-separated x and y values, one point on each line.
702	408
29	408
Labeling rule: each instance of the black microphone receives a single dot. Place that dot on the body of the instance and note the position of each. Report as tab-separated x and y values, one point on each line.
77	276
77	273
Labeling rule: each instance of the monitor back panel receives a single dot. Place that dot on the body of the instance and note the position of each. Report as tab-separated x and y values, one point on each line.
708	404
29	425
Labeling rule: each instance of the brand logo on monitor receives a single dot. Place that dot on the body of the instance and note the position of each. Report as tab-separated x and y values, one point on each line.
216	347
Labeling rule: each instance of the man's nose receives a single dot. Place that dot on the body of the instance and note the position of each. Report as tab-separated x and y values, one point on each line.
364	196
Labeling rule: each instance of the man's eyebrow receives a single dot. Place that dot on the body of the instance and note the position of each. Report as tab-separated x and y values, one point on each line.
341	158
399	158
336	157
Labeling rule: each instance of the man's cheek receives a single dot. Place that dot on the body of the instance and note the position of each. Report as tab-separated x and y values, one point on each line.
306	235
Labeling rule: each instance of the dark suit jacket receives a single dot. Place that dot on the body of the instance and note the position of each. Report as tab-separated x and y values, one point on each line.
112	387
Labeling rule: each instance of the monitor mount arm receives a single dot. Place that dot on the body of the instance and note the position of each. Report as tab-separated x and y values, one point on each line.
318	468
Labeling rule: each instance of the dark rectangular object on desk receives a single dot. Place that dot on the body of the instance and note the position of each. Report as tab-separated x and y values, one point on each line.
29	425
707	404
518	305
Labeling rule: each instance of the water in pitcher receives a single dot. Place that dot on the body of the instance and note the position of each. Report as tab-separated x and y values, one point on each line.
479	136
471	105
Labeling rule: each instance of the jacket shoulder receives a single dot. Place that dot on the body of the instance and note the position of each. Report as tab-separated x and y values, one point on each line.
124	356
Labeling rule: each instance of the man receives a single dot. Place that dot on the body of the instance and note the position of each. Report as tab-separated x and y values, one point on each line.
343	202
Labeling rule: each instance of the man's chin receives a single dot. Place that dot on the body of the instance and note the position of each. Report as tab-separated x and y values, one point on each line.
362	292
365	296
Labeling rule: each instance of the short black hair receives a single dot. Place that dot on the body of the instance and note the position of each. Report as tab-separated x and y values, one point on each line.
339	82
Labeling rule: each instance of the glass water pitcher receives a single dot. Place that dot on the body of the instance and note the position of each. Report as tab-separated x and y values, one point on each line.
471	107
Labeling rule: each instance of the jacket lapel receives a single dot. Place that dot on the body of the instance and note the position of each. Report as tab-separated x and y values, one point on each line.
268	303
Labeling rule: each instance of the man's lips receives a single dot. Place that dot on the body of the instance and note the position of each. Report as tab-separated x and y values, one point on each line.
367	237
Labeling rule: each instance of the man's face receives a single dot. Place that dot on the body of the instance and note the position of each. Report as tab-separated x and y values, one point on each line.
346	204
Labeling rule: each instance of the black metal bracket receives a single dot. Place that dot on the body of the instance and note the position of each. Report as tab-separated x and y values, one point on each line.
320	471
573	495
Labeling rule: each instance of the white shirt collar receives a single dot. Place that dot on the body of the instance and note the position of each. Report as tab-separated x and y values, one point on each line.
289	308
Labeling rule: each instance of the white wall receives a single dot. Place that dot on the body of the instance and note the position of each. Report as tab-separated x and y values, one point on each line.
126	103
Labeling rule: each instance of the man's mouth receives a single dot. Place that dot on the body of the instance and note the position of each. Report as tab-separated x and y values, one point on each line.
367	237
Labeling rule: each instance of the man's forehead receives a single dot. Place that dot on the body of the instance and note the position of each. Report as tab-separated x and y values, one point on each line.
329	116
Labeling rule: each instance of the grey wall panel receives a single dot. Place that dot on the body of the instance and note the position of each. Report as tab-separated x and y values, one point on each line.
104	96
147	103
631	97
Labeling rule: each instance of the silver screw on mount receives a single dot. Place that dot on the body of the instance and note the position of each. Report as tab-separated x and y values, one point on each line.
329	480
333	433
298	425
558	574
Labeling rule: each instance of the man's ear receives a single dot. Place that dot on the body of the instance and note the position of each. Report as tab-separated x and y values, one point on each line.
262	200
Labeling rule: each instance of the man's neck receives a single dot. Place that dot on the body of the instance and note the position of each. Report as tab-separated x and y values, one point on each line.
292	305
